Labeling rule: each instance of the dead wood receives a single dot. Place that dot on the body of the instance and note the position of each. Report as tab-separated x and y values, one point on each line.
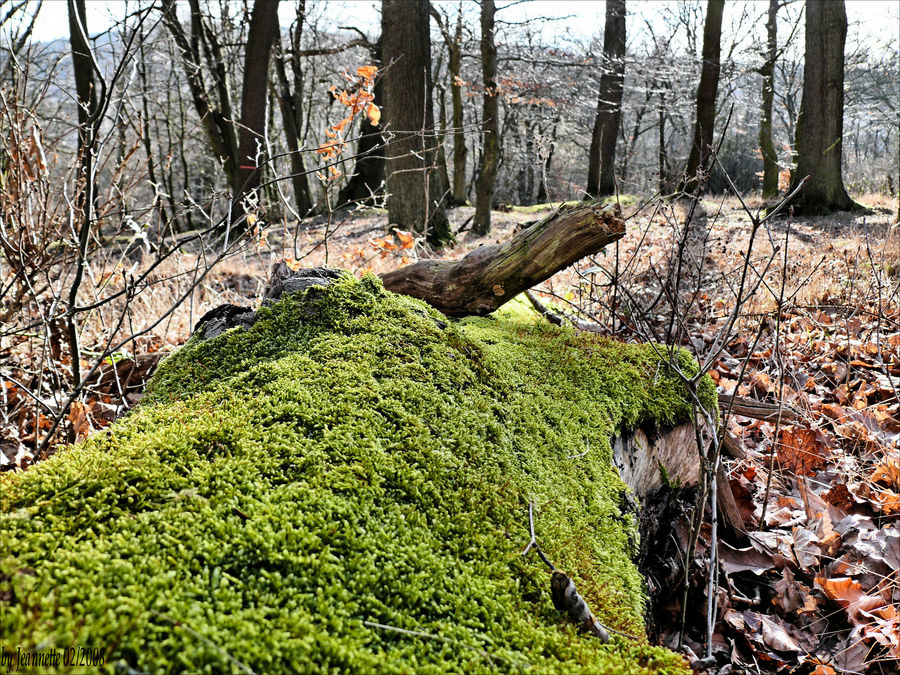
490	275
759	410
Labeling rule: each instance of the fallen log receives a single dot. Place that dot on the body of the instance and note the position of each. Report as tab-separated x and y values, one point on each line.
491	275
759	410
346	464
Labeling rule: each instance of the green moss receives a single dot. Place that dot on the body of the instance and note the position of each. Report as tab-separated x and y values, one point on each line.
349	458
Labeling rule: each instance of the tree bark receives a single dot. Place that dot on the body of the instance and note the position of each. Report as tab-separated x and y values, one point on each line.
661	145
89	114
83	70
484	190
601	162
766	147
442	136
414	201
252	132
460	151
820	124
541	196
146	140
491	275
636	132
707	90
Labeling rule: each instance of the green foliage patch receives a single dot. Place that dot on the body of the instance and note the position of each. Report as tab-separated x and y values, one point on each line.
352	459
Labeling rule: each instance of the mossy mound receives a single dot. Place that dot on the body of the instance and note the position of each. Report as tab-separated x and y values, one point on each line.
351	459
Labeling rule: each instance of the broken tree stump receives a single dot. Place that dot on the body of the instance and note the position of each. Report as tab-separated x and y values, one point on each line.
491	275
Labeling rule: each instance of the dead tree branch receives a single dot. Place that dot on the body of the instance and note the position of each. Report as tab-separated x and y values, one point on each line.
490	275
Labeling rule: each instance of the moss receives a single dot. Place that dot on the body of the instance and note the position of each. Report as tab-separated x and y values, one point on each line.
351	458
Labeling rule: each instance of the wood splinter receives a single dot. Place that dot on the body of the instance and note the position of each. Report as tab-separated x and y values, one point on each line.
566	597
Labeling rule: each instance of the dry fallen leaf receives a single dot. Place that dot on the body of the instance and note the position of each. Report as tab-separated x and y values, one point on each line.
407	240
744	559
888	472
791	595
802	450
78	416
849	594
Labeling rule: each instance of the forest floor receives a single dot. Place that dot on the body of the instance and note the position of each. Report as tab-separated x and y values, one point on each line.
811	574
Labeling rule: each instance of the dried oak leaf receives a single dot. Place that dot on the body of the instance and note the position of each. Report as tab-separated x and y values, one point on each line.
887	501
803	450
78	416
884	628
806	548
850	595
791	595
888	473
840	496
744	559
761	383
769	631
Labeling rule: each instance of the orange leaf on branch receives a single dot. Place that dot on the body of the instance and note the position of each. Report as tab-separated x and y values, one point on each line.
367	72
407	240
374	114
358	100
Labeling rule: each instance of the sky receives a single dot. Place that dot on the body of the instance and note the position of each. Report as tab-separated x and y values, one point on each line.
578	19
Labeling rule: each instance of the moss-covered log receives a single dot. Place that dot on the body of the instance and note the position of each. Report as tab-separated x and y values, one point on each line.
294	494
492	275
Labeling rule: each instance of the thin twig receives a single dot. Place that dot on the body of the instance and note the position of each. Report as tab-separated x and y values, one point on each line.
534	542
423	634
582	454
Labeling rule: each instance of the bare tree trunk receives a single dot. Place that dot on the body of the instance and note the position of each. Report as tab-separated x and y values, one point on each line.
460	151
252	131
484	190
442	135
526	191
83	70
491	275
88	125
215	117
601	162
545	168
661	145
414	201
453	42
631	141
291	106
821	120
707	90
146	126
766	147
